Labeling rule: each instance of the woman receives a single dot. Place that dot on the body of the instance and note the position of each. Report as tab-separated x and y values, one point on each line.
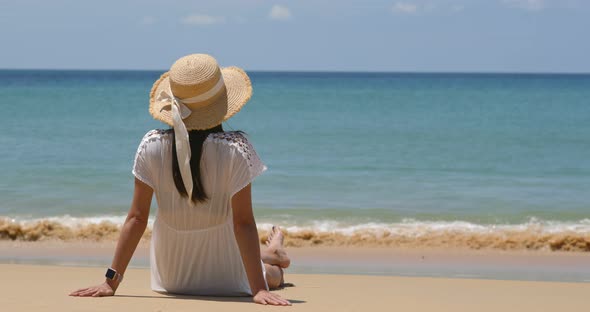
204	239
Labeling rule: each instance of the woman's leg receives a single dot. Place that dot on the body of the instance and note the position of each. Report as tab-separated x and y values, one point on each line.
274	276
275	253
275	258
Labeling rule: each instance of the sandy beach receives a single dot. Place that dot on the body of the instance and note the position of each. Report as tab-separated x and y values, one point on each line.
311	292
324	279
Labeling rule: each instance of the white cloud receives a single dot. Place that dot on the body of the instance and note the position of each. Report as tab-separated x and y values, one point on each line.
147	20
405	7
457	8
530	5
427	7
201	19
279	12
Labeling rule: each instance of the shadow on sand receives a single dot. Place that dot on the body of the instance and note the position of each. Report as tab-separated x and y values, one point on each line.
210	298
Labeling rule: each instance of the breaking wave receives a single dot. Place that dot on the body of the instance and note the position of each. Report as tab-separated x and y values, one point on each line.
408	233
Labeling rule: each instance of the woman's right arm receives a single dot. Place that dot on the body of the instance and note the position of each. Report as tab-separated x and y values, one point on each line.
131	234
249	244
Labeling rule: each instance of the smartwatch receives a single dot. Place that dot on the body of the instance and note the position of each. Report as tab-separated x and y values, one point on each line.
113	275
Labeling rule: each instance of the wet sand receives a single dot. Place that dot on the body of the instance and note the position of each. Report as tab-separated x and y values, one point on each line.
425	262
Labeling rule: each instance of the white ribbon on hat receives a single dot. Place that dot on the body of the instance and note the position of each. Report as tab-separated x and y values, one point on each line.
183	148
179	112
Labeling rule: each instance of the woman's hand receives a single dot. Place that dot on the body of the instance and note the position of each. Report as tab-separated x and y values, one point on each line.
101	290
266	297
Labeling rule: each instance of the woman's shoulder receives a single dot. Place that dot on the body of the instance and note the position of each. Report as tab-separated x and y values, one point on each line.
155	135
232	139
228	137
238	143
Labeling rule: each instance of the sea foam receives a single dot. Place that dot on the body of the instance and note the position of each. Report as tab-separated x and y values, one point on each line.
534	234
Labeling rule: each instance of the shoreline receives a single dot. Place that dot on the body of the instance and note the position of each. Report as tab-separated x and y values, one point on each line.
423	262
310	292
536	236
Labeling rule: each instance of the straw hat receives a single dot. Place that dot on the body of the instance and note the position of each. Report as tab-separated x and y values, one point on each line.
212	94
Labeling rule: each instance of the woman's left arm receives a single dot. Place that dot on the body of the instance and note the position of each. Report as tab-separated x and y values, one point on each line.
131	233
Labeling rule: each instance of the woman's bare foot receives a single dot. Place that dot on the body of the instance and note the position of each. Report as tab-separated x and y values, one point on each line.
276	253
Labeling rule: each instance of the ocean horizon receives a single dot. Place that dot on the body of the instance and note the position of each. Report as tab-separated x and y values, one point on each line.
455	155
311	71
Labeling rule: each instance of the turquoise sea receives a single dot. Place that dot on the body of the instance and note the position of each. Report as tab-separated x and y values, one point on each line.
402	152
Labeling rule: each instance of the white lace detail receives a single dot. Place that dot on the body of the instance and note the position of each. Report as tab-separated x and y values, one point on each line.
244	147
148	137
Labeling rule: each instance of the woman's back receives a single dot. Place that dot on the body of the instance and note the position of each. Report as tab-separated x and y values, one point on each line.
201	177
193	245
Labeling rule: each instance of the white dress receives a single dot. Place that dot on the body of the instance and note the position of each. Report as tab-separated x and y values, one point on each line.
193	247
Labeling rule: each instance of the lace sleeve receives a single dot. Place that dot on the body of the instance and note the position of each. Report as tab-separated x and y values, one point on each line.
245	164
143	165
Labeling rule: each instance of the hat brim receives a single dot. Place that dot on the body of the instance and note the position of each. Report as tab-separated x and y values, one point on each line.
238	92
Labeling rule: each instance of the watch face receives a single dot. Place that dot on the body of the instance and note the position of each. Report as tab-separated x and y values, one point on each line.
110	274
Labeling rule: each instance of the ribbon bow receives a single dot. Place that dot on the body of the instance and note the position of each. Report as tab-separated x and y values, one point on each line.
183	147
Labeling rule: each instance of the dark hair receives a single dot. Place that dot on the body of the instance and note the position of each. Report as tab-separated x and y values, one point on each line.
196	139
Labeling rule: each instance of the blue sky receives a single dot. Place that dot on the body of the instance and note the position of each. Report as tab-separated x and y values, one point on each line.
345	35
